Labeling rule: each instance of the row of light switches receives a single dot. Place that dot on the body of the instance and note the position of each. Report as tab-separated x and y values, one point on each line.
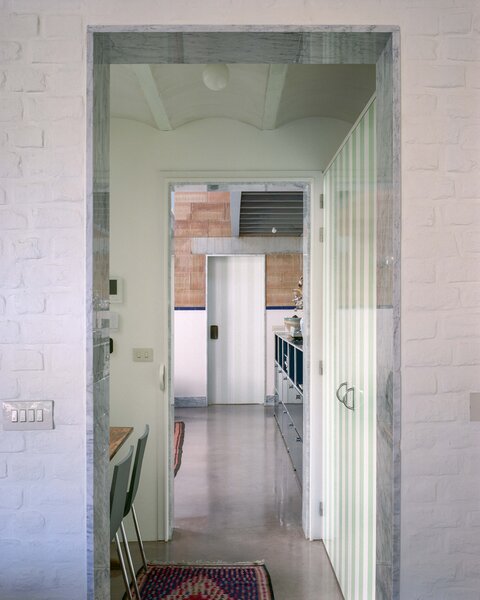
31	415
21	415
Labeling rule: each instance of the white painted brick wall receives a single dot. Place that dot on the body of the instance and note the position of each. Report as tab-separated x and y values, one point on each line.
42	112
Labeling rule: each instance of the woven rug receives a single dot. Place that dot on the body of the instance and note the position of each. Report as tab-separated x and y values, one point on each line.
178	437
243	581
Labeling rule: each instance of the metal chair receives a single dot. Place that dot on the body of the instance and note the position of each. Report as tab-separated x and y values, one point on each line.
132	491
118	495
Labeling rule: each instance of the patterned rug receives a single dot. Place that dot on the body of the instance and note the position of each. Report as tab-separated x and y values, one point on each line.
243	581
178	437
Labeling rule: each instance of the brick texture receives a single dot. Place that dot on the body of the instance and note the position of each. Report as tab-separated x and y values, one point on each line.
207	214
282	274
197	214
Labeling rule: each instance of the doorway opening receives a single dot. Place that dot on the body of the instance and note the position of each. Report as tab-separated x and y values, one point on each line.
282	254
315	45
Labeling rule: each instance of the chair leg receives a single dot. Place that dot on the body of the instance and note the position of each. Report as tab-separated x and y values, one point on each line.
130	561
139	537
122	565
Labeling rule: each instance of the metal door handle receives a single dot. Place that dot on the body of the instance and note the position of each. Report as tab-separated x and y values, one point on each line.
161	377
345	399
337	393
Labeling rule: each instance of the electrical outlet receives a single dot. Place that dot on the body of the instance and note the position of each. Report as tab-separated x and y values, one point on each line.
23	416
142	354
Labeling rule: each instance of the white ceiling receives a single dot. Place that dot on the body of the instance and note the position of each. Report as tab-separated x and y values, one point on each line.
168	96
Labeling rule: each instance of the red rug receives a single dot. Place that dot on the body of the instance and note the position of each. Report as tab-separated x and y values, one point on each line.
178	437
206	582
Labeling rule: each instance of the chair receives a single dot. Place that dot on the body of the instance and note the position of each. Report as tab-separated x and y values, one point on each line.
118	495
132	492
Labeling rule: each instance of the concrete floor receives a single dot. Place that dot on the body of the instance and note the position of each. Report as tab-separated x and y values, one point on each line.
237	499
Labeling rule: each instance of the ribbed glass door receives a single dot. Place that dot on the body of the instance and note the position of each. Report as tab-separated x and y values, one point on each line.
350	358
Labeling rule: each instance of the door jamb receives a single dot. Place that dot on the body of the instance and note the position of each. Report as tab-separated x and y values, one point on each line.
108	44
311	182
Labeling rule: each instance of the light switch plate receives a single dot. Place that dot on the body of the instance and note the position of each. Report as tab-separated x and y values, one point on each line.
142	354
475	406
24	416
113	318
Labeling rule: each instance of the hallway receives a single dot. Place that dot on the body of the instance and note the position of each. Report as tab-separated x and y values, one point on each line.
237	499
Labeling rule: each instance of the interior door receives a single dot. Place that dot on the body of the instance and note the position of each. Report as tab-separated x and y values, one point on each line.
350	359
236	329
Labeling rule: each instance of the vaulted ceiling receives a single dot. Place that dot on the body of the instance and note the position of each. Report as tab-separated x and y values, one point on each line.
168	96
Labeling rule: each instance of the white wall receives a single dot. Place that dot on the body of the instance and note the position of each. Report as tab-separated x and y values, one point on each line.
138	254
222	144
190	353
190	356
42	306
138	244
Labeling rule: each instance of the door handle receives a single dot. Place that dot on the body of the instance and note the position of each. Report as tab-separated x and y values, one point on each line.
350	406
344	398
214	332
337	393
161	377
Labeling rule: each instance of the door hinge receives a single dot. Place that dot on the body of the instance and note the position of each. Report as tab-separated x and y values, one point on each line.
320	367
320	509
321	235
321	201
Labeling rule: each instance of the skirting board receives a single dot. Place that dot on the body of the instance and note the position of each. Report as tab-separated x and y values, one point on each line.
190	401
201	401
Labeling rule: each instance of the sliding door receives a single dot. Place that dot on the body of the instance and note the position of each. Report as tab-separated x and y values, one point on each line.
236	329
350	358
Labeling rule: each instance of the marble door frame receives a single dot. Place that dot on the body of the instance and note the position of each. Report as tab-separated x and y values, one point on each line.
149	44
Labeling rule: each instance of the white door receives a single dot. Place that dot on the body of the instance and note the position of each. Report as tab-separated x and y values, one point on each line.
236	307
350	419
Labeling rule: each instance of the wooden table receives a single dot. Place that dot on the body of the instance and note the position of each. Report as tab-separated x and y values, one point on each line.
118	436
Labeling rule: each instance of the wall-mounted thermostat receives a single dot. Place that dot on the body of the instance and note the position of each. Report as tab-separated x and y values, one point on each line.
116	289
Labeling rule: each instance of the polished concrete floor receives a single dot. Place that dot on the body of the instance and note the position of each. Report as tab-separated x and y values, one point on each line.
237	499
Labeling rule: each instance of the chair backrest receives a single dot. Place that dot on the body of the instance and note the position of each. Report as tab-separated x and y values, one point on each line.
137	469
118	492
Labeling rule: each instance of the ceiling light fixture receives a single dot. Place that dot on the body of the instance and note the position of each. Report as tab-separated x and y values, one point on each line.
216	77
274	230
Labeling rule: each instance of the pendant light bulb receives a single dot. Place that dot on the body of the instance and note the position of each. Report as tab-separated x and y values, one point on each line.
274	230
216	77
